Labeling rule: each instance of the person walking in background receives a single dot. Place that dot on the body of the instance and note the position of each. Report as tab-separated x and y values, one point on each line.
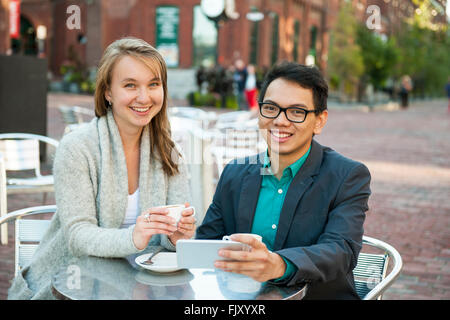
240	77
405	88
447	88
251	89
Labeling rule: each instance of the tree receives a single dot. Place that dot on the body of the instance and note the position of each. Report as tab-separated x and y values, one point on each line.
345	60
379	56
423	47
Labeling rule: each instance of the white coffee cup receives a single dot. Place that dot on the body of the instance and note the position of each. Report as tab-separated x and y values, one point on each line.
175	211
254	235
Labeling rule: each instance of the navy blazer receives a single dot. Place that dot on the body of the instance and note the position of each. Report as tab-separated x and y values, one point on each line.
321	222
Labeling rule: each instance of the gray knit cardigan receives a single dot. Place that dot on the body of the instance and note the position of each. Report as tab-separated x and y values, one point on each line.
91	190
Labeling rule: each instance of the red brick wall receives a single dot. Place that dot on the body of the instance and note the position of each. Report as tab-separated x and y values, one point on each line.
119	18
4	26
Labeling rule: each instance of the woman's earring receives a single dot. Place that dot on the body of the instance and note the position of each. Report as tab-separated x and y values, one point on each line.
109	103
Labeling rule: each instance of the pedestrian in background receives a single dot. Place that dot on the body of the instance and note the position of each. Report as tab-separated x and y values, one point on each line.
240	77
447	88
405	88
251	89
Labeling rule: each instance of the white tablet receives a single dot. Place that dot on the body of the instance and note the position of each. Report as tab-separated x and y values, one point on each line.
203	253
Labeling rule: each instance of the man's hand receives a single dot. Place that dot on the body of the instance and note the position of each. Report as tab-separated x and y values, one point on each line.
259	263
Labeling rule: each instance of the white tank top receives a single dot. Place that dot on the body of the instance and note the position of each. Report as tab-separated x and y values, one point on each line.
132	210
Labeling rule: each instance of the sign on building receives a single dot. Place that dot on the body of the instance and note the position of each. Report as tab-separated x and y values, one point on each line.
167	22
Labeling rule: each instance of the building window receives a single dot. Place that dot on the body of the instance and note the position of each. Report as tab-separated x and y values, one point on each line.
254	34
275	38
296	40
204	35
313	40
167	22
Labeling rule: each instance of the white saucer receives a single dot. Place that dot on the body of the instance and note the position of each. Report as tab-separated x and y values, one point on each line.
162	262
172	279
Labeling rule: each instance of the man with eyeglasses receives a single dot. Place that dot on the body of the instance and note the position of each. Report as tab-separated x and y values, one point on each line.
306	201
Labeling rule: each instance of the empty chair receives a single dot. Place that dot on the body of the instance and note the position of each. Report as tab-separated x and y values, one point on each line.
28	232
194	114
3	197
74	116
370	272
20	152
236	119
195	145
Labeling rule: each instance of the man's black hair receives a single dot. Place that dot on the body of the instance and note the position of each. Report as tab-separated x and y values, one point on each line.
305	76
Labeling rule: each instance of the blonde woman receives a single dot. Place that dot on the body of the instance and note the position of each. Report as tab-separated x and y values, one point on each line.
112	175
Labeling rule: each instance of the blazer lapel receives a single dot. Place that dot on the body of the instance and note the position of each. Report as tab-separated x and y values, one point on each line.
301	182
251	184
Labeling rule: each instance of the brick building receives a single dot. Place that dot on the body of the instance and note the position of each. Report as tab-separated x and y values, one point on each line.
289	29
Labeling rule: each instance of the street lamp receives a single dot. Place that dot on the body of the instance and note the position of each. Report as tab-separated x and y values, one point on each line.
219	11
41	35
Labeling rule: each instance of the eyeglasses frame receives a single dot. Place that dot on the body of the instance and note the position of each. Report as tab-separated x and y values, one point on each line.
260	103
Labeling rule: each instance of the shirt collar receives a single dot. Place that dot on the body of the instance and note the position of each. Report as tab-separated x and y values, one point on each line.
293	168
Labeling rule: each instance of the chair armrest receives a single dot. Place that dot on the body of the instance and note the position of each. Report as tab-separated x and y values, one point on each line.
48	140
27	212
398	264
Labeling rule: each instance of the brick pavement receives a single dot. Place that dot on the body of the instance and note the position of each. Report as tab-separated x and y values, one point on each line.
407	152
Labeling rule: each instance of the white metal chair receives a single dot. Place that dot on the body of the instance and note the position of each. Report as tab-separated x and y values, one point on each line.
3	199
236	119
193	113
195	144
370	272
21	153
74	116
28	232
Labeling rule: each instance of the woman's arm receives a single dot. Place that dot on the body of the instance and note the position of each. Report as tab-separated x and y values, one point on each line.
75	193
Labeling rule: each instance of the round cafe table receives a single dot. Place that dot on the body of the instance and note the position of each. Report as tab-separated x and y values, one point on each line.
94	278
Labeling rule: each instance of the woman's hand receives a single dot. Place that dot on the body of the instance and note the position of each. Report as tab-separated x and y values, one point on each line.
152	221
185	227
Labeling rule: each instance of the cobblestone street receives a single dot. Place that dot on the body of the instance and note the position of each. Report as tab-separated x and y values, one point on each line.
408	155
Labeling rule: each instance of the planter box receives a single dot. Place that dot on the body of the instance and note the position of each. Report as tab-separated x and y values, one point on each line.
23	95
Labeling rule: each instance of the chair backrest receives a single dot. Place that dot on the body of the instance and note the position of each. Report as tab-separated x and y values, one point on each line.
370	272
236	120
75	114
3	199
70	116
21	151
20	154
28	233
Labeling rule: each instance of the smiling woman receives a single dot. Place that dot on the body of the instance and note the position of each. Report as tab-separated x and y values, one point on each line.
113	175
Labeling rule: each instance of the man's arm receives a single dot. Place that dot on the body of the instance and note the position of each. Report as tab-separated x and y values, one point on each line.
337	249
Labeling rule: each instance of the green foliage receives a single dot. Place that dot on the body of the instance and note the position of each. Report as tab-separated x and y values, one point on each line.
345	60
212	100
379	55
424	55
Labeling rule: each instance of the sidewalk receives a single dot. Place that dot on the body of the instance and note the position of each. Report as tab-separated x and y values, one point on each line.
407	153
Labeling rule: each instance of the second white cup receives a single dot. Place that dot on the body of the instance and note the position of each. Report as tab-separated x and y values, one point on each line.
256	236
175	211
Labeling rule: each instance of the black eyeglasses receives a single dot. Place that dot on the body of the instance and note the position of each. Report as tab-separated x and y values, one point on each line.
271	110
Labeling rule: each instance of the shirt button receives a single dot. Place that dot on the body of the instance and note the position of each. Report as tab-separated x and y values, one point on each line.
274	226
280	191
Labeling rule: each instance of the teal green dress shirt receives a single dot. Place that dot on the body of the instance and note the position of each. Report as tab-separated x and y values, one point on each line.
270	201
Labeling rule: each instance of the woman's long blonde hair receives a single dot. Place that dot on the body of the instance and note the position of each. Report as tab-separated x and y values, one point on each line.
160	134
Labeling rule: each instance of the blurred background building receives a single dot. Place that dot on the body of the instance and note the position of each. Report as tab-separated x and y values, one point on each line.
189	33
